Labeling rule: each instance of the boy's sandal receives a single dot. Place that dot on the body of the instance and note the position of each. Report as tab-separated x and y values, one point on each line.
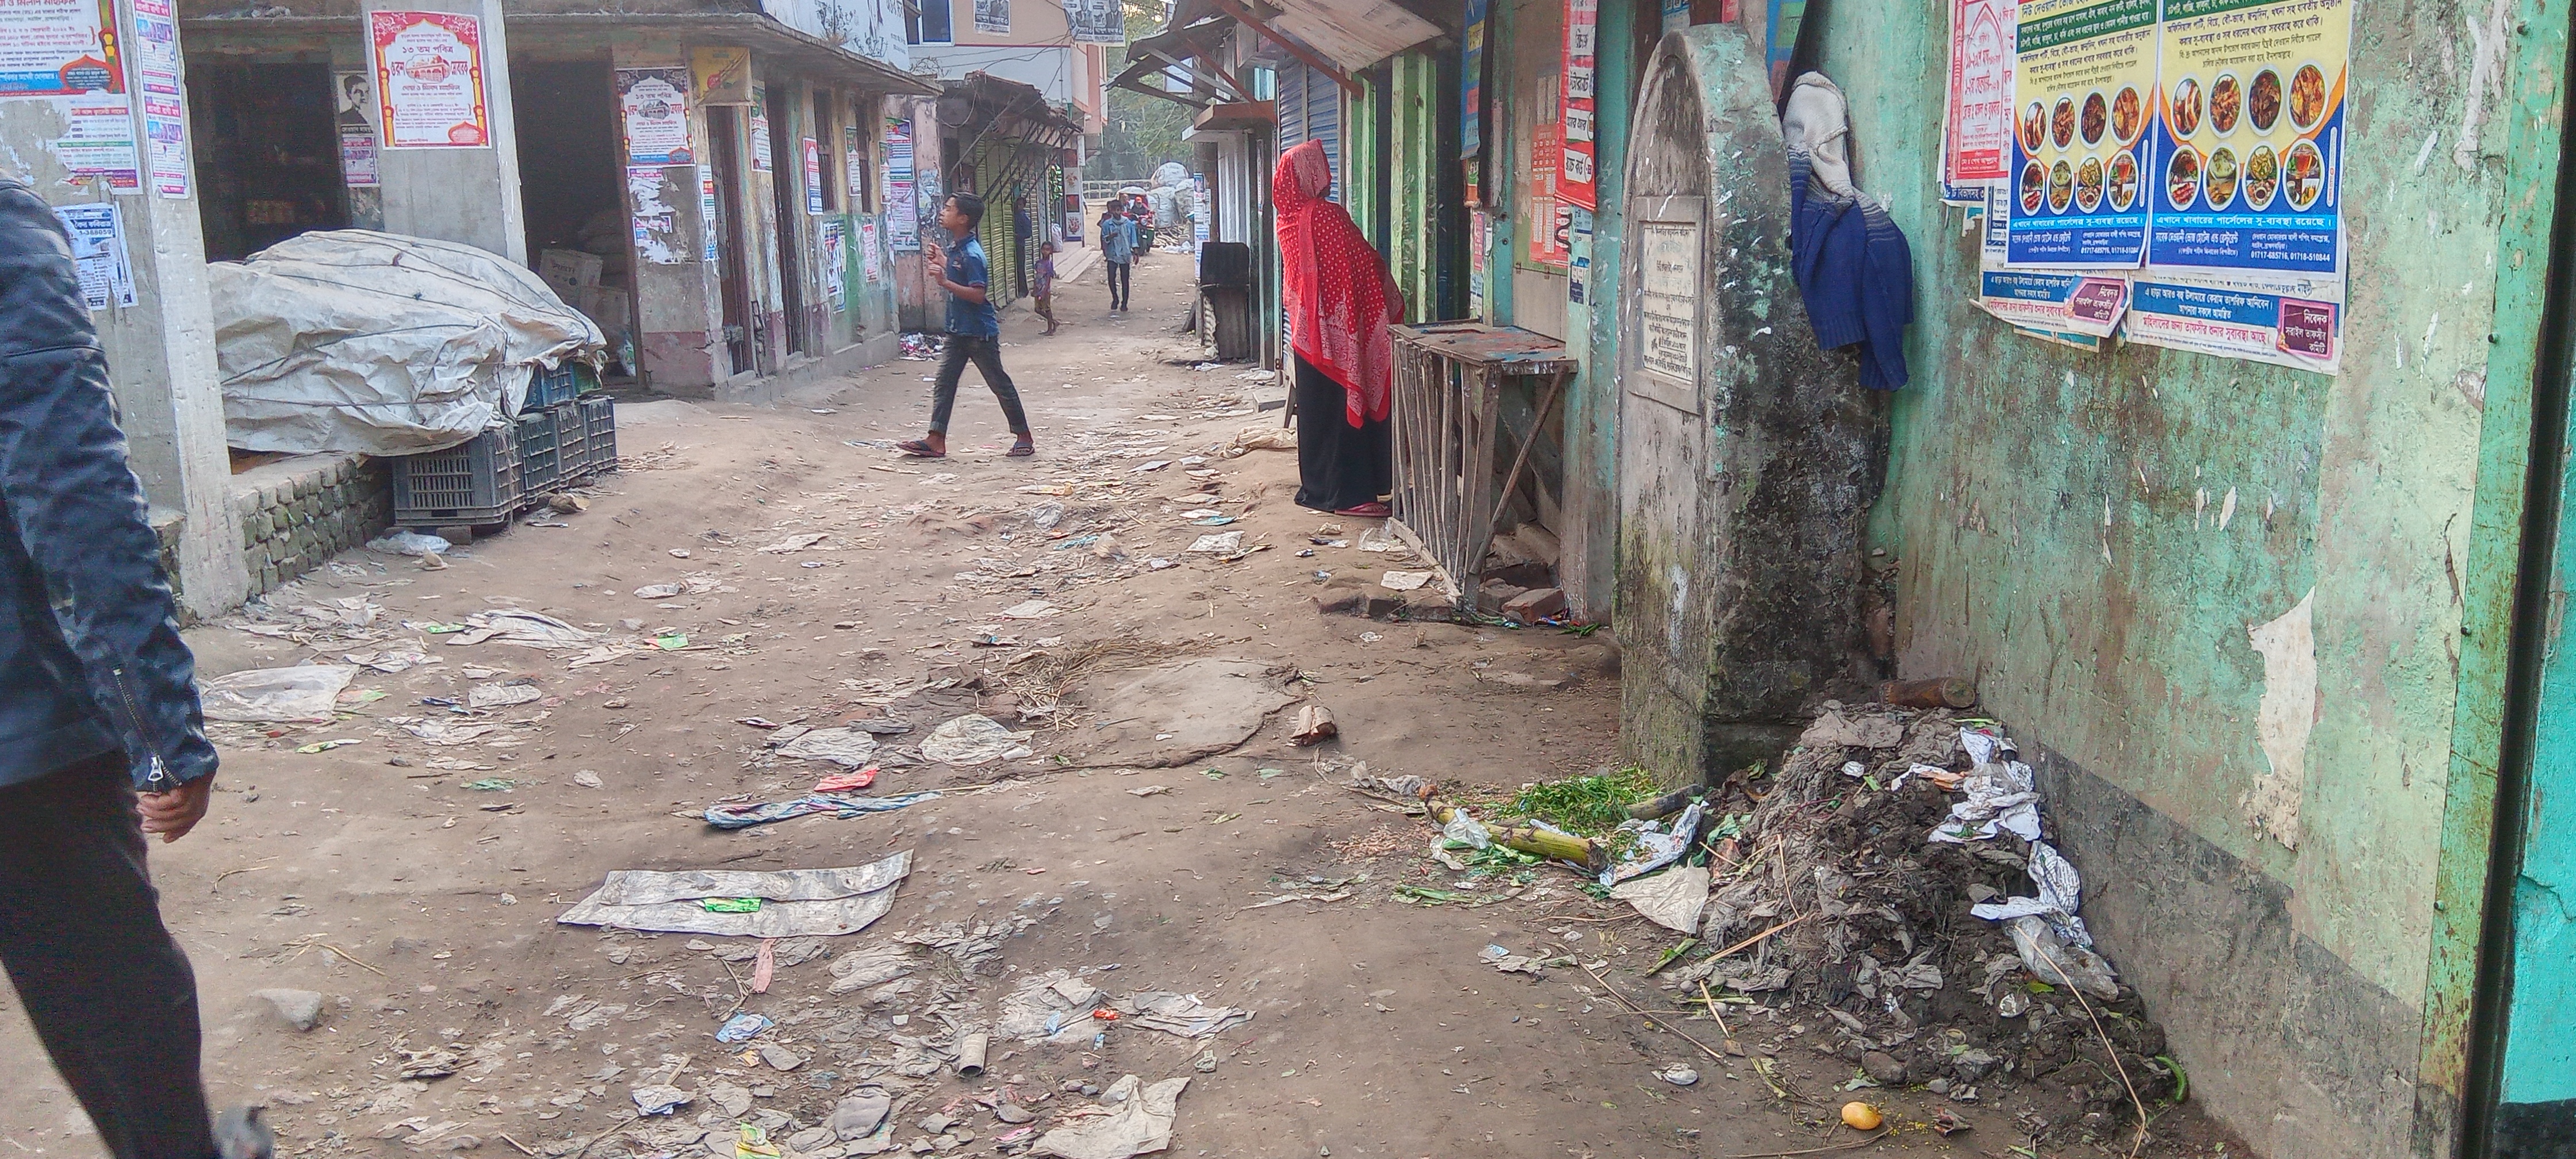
919	449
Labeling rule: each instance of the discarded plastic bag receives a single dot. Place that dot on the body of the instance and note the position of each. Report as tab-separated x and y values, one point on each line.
849	748
973	739
1656	845
1264	439
795	903
1181	1014
1672	899
2055	961
838	805
1142	1124
299	695
2059	888
400	542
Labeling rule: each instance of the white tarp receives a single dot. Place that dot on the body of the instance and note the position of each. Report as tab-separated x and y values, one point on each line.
352	340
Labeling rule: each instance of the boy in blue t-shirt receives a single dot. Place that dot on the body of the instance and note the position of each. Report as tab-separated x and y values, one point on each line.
974	331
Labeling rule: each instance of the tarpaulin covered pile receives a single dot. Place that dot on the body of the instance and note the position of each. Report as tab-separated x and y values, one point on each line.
352	340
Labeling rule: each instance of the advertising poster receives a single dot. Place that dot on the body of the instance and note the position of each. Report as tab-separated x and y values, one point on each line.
98	253
1575	181
1471	82
2250	140
654	104
927	193
1780	39
58	48
165	137
1096	21
707	216
1977	132
354	116
993	16
2259	319
156	48
722	75
98	141
854	167
760	153
902	223
812	151
2084	76
1548	219
2089	304
832	240
1479	236
869	241
429	80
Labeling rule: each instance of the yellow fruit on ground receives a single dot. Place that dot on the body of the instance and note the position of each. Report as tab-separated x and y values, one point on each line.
1861	1116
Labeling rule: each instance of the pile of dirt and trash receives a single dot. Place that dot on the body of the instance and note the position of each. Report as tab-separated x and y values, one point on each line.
1895	871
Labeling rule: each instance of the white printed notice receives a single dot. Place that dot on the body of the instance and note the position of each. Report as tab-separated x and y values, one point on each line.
429	80
98	253
98	141
2285	322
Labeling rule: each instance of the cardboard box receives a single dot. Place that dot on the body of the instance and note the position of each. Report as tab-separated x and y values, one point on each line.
568	271
608	306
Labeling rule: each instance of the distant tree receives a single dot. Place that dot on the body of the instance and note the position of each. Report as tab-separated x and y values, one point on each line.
1143	132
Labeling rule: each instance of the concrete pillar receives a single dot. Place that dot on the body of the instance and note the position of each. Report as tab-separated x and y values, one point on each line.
160	349
471	194
679	319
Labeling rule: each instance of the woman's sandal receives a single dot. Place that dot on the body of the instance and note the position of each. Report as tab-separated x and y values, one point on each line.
1367	511
919	449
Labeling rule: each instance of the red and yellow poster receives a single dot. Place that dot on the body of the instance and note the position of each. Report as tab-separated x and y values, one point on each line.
429	80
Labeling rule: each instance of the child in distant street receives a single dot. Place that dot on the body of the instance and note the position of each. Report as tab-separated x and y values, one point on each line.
974	330
1042	289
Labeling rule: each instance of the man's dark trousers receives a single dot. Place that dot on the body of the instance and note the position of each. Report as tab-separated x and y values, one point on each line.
986	353
108	990
1121	283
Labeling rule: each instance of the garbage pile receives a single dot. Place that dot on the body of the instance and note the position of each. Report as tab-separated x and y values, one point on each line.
1895	872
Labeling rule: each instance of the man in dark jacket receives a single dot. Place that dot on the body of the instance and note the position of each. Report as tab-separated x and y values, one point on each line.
101	738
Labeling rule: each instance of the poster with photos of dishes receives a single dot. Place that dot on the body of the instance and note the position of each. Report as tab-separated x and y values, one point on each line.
2249	139
2083	72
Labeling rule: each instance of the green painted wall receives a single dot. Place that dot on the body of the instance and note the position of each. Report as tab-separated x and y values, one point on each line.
2096	537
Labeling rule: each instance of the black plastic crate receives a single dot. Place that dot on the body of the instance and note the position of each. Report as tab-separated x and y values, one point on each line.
550	387
599	424
572	433
475	483
541	460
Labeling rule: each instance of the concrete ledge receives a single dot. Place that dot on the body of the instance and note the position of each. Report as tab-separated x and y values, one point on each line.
2283	1041
803	371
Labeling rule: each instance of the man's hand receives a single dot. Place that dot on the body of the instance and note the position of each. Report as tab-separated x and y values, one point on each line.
174	813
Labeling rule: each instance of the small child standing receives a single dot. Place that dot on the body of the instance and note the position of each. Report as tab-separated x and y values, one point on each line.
1042	289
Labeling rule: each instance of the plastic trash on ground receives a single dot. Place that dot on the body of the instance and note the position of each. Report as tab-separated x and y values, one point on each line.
299	695
797	902
400	542
1141	1124
1672	899
973	739
1657	844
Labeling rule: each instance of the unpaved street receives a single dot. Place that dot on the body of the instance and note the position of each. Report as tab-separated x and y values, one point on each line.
413	879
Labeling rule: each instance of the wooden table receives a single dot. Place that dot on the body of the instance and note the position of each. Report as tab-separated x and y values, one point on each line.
1449	380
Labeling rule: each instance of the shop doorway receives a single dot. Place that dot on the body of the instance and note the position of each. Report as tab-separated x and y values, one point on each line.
786	171
572	191
733	234
268	163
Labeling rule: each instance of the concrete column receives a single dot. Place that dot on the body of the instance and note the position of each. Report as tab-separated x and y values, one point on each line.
160	349
679	320
468	195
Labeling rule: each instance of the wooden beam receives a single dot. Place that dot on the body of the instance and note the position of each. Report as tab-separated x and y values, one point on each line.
1310	57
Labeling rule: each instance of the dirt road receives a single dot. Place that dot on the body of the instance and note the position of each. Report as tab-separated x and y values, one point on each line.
422	907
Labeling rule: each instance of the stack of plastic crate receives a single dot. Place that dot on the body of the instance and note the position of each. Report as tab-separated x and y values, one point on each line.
473	484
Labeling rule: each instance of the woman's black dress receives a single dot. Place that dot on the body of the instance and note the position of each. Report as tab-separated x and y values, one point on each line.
1339	466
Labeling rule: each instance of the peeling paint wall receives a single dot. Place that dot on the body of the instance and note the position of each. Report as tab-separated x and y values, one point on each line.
2233	600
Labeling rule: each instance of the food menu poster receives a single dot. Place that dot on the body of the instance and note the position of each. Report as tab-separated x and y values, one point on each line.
2250	135
1978	126
2083	74
429	80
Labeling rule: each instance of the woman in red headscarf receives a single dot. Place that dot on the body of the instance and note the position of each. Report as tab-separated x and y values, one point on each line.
1340	300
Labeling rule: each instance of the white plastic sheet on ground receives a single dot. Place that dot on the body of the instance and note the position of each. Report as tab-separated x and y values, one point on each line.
302	695
795	903
1142	1124
352	340
973	739
1672	899
846	747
